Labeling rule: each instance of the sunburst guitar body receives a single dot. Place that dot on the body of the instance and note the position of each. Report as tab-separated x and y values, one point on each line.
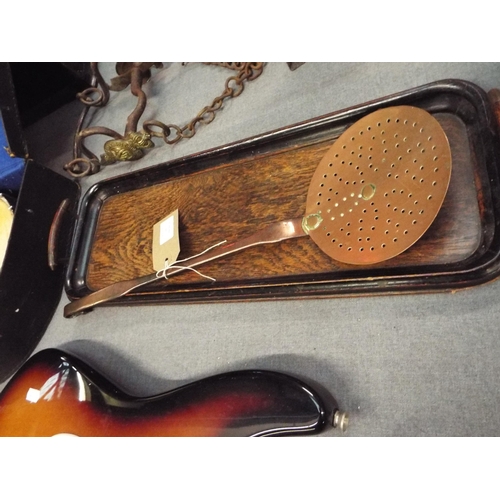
56	393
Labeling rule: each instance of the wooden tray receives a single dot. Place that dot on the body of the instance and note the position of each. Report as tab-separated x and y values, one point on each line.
230	192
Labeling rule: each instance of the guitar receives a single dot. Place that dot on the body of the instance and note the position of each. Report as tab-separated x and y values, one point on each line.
56	393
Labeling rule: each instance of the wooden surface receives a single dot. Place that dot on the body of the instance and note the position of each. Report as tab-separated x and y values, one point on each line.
234	200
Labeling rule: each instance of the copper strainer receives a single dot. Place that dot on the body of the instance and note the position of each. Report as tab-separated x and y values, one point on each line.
373	195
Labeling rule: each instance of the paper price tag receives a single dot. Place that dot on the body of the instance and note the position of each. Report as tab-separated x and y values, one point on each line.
166	245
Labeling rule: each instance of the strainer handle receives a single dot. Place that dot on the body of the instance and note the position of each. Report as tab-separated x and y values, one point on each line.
273	233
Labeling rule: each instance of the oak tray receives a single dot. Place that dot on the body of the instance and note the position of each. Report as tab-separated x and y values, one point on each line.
230	192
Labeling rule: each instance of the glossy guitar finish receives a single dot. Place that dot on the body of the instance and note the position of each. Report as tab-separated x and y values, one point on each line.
56	393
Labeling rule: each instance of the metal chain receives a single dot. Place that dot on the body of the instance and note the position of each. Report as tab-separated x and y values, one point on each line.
234	86
131	145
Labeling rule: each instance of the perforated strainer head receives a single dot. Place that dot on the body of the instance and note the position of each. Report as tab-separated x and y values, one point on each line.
380	186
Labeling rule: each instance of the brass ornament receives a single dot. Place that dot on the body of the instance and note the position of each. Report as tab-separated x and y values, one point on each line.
127	149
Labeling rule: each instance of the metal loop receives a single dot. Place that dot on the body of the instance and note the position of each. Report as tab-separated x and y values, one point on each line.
85	96
237	89
81	167
257	69
165	129
178	135
206	115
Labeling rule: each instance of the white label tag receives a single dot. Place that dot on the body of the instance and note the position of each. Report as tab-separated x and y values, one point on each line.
166	245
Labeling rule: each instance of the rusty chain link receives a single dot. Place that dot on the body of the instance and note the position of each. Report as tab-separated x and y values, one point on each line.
131	145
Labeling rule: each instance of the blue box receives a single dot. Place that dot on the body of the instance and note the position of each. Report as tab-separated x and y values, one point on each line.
11	167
